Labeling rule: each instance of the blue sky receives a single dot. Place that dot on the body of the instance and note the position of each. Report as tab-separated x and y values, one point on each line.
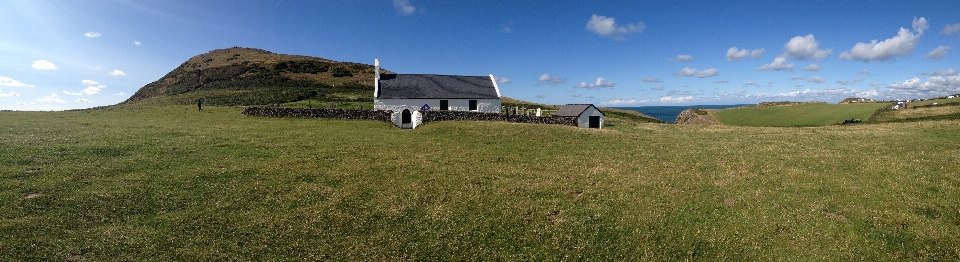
57	55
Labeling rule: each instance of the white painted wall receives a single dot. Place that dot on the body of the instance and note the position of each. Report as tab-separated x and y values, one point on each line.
415	118
397	105
584	119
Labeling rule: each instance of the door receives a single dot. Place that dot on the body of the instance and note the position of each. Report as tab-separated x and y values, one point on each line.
405	117
594	121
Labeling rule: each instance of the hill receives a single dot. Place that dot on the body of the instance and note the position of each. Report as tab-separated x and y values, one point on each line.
249	76
796	114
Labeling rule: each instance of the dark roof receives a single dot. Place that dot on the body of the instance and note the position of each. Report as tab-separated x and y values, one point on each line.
402	86
573	110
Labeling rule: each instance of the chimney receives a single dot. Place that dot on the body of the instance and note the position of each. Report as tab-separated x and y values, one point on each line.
376	80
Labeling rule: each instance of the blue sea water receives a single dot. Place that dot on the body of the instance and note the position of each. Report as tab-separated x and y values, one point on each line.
669	113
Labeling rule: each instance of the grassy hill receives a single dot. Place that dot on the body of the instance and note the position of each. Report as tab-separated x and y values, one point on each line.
796	114
247	76
164	182
934	109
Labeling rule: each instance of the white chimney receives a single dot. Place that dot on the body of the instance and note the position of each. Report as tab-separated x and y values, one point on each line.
376	81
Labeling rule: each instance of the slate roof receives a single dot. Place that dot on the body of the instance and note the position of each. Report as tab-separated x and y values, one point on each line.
573	110
419	86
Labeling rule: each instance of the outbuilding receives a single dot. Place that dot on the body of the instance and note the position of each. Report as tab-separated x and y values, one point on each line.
408	94
587	115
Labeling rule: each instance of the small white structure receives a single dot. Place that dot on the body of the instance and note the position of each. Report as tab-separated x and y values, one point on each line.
407	94
587	114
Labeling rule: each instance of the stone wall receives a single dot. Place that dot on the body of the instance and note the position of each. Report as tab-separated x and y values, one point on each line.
317	113
431	116
385	115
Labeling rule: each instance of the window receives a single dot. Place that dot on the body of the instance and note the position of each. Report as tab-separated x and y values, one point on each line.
473	105
444	105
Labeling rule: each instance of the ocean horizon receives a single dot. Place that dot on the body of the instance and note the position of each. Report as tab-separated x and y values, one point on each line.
669	113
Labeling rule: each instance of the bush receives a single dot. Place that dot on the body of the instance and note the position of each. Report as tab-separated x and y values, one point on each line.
340	72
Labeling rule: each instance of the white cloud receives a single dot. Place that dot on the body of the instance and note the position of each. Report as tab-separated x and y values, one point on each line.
6	81
864	72
950	29
599	84
72	93
681	58
52	98
938	53
93	90
81	100
722	81
812	67
43	65
94	67
778	64
606	26
92	34
89	82
117	73
797	78
404	7
11	94
503	80
901	45
874	84
686	71
816	79
679	99
550	79
857	80
934	84
120	94
947	72
658	88
842	82
736	55
651	80
621	102
137	43
805	48
750	83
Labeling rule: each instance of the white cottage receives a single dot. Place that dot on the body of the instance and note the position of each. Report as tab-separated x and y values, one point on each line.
408	94
587	114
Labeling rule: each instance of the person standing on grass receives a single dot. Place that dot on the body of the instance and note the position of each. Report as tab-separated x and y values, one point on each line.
200	105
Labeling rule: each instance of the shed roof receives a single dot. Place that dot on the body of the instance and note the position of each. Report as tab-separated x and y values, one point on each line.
418	86
574	109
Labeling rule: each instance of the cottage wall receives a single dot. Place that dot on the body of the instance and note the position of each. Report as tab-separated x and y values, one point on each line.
398	105
584	119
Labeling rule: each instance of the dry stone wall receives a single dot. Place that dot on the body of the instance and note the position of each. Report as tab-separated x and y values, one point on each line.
385	115
431	116
317	113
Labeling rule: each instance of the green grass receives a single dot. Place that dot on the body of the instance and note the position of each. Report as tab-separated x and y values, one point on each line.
151	182
812	114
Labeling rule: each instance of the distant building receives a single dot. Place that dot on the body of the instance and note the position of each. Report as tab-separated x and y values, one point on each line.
587	114
407	94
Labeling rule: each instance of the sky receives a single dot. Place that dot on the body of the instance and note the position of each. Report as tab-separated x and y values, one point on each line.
58	55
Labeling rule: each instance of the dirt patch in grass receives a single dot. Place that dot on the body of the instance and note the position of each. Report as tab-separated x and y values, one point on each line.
33	195
729	202
835	216
554	217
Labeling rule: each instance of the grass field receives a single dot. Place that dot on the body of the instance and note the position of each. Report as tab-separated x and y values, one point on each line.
150	182
813	114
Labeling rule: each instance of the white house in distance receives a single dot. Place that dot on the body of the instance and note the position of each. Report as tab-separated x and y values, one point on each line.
587	114
407	94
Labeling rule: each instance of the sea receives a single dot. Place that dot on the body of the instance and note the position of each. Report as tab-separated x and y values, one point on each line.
669	113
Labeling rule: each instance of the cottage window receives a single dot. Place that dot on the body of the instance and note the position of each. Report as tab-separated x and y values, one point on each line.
444	105
473	105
